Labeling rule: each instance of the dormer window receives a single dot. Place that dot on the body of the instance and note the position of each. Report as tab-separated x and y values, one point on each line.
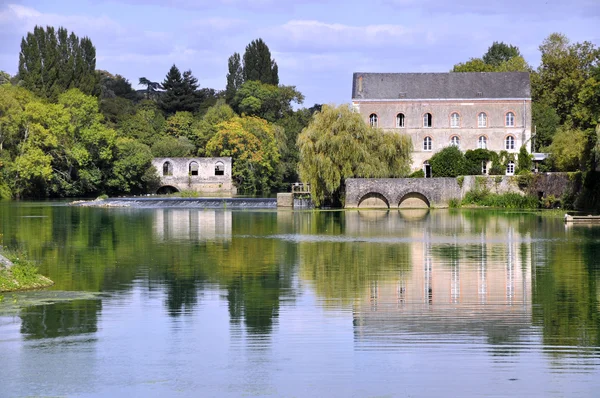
400	120
427	120
455	120
373	122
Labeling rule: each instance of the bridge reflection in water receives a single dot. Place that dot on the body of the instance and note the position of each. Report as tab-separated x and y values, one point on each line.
478	284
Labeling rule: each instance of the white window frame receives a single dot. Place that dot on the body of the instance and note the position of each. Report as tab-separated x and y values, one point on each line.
510	168
427	144
509	119
454	120
427	119
509	143
482	142
482	119
373	120
400	121
455	141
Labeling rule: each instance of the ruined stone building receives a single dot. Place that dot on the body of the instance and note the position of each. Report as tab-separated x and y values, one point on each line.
206	175
490	110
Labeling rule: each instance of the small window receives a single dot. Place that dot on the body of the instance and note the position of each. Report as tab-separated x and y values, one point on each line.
510	168
484	167
455	120
427	169
193	169
455	140
482	142
219	169
510	119
509	143
482	120
427	144
373	120
167	169
400	120
427	120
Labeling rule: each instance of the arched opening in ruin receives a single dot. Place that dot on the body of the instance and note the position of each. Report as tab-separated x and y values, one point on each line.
414	200
166	189
373	200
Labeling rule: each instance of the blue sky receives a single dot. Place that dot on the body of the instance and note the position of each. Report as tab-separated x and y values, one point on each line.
316	43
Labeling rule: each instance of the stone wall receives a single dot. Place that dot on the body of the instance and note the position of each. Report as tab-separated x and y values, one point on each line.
177	173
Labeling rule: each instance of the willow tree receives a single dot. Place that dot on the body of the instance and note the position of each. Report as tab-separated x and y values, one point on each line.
338	144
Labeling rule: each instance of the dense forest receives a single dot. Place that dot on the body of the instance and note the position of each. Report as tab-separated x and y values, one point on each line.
68	129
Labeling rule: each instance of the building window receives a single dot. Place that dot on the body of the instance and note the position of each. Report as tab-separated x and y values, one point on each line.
510	168
510	119
455	120
427	144
509	143
482	120
193	169
482	142
455	140
167	169
219	169
400	120
427	120
373	120
484	167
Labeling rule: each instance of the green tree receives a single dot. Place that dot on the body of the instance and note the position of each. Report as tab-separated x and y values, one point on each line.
473	65
151	88
258	64
207	127
449	162
146	125
525	161
267	101
337	144
180	92
499	52
132	169
4	77
173	147
546	121
235	77
51	62
567	149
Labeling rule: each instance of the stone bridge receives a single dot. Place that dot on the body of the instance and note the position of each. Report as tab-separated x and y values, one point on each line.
401	192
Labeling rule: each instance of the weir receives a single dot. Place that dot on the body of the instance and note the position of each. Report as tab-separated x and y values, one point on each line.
202	203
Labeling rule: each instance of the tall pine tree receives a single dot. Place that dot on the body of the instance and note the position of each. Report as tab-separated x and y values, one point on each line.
180	92
51	62
235	77
258	64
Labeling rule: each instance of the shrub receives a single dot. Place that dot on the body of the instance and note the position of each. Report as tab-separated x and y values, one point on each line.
449	162
525	161
417	174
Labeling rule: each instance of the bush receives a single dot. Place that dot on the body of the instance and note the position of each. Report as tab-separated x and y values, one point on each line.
507	200
449	162
525	161
417	174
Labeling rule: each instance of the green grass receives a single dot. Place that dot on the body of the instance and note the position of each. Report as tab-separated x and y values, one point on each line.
22	276
506	200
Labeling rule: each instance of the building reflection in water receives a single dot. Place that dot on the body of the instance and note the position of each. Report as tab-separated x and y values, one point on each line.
459	281
192	224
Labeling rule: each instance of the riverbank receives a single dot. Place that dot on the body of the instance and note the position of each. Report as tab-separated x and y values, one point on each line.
18	274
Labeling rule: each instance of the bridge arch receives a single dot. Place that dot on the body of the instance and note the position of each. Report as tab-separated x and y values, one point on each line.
373	200
166	189
413	200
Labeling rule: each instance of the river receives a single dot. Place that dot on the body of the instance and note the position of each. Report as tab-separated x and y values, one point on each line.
247	302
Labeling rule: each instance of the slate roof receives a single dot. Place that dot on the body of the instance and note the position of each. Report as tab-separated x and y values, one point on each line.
451	85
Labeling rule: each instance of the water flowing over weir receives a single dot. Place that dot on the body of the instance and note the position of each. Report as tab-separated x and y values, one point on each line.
202	203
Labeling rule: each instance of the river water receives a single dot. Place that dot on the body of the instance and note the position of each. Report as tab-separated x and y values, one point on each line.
227	303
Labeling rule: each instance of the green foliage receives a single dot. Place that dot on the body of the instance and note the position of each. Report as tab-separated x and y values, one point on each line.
51	62
525	161
235	77
500	52
567	149
267	101
507	200
132	168
454	203
460	181
417	174
337	144
449	162
171	147
258	65
473	65
22	275
546	121
4	77
476	157
151	88
250	142
146	125
180	92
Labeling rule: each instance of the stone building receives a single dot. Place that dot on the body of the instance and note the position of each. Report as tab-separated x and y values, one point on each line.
207	175
490	110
